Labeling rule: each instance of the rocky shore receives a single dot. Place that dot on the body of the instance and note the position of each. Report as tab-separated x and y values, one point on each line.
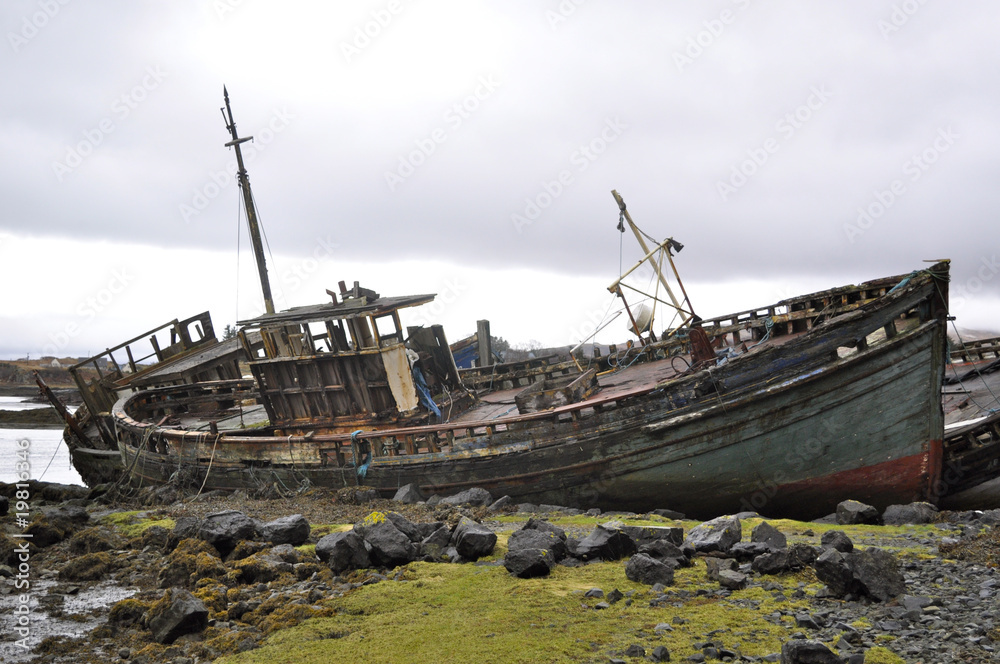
342	576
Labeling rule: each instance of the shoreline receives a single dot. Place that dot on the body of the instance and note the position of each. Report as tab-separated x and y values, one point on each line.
274	603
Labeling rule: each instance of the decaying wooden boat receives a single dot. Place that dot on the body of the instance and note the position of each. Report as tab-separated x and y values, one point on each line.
787	409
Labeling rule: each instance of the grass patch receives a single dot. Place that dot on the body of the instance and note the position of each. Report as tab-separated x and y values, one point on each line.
470	613
134	524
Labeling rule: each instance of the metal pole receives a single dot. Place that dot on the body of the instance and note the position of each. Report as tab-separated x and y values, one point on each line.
244	179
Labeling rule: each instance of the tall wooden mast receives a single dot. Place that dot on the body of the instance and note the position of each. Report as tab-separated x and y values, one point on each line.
244	179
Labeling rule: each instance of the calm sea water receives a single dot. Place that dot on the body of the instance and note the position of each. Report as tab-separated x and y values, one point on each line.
47	453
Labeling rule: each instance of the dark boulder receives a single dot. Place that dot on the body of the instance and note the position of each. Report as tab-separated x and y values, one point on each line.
224	530
837	539
747	551
537	539
877	572
343	551
733	580
774	562
501	503
642	568
541	524
663	550
916	513
719	534
769	535
407	527
803	651
529	563
606	542
474	496
851	512
473	540
292	530
408	494
434	547
833	570
178	613
715	565
645	534
802	555
388	546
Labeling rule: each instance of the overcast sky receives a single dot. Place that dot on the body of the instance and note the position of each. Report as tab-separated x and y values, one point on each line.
469	149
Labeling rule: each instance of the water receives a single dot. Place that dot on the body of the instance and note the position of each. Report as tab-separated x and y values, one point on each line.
18	403
48	455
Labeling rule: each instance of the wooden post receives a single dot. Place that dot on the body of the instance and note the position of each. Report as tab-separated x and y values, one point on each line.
485	343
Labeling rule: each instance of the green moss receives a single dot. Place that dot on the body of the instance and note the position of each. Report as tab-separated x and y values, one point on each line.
880	655
528	620
134	524
327	528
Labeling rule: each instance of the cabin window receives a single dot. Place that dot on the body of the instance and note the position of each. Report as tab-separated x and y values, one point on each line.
388	330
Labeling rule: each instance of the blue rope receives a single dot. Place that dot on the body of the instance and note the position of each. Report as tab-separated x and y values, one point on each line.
361	470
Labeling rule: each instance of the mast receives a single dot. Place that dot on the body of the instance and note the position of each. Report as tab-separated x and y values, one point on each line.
244	179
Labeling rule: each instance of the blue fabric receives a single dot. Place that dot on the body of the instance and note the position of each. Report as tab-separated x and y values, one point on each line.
423	393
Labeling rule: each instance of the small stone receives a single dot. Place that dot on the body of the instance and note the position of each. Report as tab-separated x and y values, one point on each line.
600	606
408	494
851	512
733	580
803	651
642	568
768	534
474	496
836	539
718	534
660	654
594	592
635	650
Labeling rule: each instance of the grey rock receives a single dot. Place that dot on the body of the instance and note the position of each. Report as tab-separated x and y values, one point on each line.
224	530
719	534
733	580
802	555
774	562
292	530
836	539
853	512
184	614
474	496
669	514
343	551
715	565
747	551
408	494
803	651
606	543
473	540
769	535
412	530
529	563
388	546
642	568
433	548
635	650
645	534
541	524
897	515
660	654
499	504
664	550
832	569
537	539
878	573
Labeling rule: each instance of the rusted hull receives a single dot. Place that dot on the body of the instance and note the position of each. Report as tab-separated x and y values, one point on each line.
856	428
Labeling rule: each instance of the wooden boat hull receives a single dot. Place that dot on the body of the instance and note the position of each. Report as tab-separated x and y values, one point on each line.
866	427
